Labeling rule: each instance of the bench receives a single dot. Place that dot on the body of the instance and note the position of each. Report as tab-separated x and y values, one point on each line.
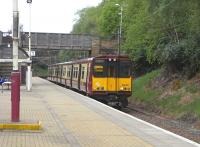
8	83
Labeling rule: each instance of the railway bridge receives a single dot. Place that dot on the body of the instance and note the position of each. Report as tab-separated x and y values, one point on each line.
47	46
57	41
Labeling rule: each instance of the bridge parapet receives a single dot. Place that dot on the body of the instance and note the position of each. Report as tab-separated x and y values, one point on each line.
57	41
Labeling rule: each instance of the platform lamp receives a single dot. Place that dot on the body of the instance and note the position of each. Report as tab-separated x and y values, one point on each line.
120	27
15	75
29	72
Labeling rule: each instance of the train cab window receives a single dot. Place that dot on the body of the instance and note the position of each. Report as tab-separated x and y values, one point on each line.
99	68
124	69
112	68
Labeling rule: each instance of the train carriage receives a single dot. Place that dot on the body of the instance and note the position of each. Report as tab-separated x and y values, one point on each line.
106	78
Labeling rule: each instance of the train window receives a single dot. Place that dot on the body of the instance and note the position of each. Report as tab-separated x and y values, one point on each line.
54	71
69	72
75	72
58	69
64	71
125	69
82	72
100	68
112	68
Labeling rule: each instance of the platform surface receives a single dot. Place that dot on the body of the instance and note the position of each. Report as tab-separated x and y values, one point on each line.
71	119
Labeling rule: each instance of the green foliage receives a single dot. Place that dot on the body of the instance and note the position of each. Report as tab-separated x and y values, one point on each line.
170	104
40	70
140	88
66	55
186	100
69	55
192	88
109	19
87	22
193	107
160	32
102	20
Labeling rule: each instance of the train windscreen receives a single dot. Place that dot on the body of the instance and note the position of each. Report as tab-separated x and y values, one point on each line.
112	68
124	69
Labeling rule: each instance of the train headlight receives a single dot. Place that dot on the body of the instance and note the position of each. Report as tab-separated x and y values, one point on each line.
122	88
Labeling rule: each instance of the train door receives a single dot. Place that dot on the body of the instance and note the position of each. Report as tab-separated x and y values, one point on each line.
71	74
112	69
61	70
79	76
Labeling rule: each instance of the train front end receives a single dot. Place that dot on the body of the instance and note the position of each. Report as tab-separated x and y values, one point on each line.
112	80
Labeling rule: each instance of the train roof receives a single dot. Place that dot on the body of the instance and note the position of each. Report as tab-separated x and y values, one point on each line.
112	56
91	58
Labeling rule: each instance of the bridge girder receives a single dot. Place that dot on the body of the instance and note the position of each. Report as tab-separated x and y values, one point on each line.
56	41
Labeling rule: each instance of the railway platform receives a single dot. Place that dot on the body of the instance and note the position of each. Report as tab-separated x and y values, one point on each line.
71	119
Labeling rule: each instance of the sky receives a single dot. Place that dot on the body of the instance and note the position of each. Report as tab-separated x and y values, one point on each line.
53	16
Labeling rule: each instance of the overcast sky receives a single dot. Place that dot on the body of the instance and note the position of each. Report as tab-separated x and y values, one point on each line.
56	16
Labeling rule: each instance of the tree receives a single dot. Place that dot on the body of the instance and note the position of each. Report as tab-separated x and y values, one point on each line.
155	32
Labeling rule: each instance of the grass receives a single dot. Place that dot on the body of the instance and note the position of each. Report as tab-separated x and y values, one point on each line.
140	87
170	103
194	107
191	88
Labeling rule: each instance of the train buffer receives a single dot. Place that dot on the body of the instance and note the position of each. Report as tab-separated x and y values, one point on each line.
71	119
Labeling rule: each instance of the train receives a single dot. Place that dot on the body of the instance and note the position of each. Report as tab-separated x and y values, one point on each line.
106	78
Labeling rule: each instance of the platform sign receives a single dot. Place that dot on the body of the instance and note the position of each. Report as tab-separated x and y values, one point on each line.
32	53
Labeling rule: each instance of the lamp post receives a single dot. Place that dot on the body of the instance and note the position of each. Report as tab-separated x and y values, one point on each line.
120	27
15	75
29	72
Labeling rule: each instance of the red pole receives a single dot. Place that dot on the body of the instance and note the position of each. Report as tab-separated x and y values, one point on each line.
15	95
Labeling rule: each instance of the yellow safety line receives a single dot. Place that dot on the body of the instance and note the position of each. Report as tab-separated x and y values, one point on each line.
20	126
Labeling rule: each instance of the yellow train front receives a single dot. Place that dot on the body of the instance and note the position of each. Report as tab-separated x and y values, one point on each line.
111	80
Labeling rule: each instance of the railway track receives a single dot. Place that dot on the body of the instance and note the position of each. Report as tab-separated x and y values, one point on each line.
178	127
